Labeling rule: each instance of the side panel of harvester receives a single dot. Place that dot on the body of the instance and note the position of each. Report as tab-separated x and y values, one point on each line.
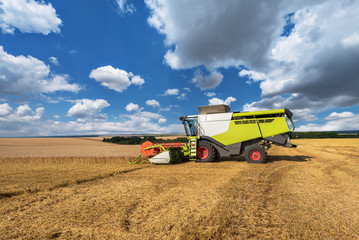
231	128
214	124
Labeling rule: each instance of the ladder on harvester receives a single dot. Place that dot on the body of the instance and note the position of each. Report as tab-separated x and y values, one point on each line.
192	148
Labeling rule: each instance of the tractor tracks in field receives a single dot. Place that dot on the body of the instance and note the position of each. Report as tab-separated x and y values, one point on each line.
249	204
343	151
42	195
139	211
330	161
67	184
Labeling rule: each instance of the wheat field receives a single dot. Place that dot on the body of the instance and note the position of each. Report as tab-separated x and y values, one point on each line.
311	192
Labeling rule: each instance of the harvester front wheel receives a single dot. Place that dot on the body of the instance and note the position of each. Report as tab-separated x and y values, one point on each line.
255	154
205	152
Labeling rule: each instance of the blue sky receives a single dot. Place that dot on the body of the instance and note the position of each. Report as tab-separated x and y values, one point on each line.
124	67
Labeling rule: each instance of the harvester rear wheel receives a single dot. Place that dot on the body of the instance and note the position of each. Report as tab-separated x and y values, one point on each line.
205	152
255	154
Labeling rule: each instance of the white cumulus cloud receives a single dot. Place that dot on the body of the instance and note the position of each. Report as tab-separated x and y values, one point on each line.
335	122
112	78
149	115
5	109
215	101
137	80
210	94
54	60
338	116
23	76
173	91
115	78
87	108
23	110
182	96
132	107
28	16
252	75
176	92
162	121
153	103
60	83
22	115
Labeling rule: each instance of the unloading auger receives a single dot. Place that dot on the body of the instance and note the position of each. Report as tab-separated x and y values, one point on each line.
216	132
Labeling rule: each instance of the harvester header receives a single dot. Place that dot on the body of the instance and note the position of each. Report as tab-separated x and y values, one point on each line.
216	132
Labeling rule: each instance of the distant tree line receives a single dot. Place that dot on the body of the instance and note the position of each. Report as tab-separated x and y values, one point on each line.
134	140
299	135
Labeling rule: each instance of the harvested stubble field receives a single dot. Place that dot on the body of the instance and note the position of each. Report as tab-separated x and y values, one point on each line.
311	192
62	147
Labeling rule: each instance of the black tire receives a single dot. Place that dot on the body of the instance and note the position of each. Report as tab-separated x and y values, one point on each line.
206	152
255	154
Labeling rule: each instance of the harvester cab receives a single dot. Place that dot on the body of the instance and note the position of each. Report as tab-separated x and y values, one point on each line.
216	132
190	124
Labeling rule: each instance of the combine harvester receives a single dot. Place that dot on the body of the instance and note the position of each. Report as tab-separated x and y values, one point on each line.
216	132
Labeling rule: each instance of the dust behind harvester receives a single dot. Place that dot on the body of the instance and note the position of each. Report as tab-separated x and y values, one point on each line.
216	132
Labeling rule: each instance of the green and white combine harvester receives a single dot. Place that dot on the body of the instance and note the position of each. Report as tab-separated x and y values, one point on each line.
216	132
